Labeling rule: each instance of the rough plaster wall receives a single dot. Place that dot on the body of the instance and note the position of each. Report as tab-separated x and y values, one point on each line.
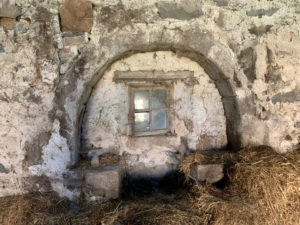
26	94
46	77
198	115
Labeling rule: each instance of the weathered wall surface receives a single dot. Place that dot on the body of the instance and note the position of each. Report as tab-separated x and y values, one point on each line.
198	115
250	49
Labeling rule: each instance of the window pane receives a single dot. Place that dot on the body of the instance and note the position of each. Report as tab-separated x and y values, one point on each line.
141	99
159	98
159	120
141	121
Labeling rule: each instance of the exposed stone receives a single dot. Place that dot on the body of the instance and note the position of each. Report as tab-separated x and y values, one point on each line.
64	66
68	53
49	71
211	173
236	80
7	23
260	30
292	96
247	60
105	182
3	169
185	11
73	179
117	16
4	98
33	149
182	150
76	16
261	65
228	21
44	41
31	97
75	40
247	104
22	26
9	9
261	12
221	2
273	74
1	48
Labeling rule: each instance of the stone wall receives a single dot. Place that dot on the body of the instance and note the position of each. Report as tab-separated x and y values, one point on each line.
249	49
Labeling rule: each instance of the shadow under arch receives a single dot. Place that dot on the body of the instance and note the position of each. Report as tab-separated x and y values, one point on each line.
229	101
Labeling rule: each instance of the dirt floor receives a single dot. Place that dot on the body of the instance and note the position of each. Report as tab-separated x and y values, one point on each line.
260	187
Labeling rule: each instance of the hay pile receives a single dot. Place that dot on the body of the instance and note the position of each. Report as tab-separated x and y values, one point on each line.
262	187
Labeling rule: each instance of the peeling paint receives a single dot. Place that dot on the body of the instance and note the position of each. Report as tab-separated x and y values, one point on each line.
55	156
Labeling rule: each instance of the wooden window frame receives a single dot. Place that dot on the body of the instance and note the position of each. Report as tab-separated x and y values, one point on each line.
167	109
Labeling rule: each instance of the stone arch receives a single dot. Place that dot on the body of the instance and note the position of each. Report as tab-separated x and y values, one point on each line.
221	81
71	130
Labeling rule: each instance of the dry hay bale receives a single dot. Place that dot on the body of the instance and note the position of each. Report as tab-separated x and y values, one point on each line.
271	180
37	209
156	209
30	209
264	188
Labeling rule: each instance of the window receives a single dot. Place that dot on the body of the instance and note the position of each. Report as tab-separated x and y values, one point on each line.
151	104
150	110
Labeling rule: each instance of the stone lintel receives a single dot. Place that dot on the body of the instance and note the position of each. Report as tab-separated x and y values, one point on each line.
153	75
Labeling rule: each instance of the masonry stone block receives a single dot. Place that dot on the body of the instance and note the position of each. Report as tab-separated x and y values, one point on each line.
76	16
7	23
210	173
221	2
74	40
9	9
261	12
180	11
3	169
104	182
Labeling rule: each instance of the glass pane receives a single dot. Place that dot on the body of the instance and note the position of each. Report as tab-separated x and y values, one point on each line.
141	121
159	98
159	120
141	99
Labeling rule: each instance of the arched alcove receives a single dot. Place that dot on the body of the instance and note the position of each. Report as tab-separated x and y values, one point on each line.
74	95
197	117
